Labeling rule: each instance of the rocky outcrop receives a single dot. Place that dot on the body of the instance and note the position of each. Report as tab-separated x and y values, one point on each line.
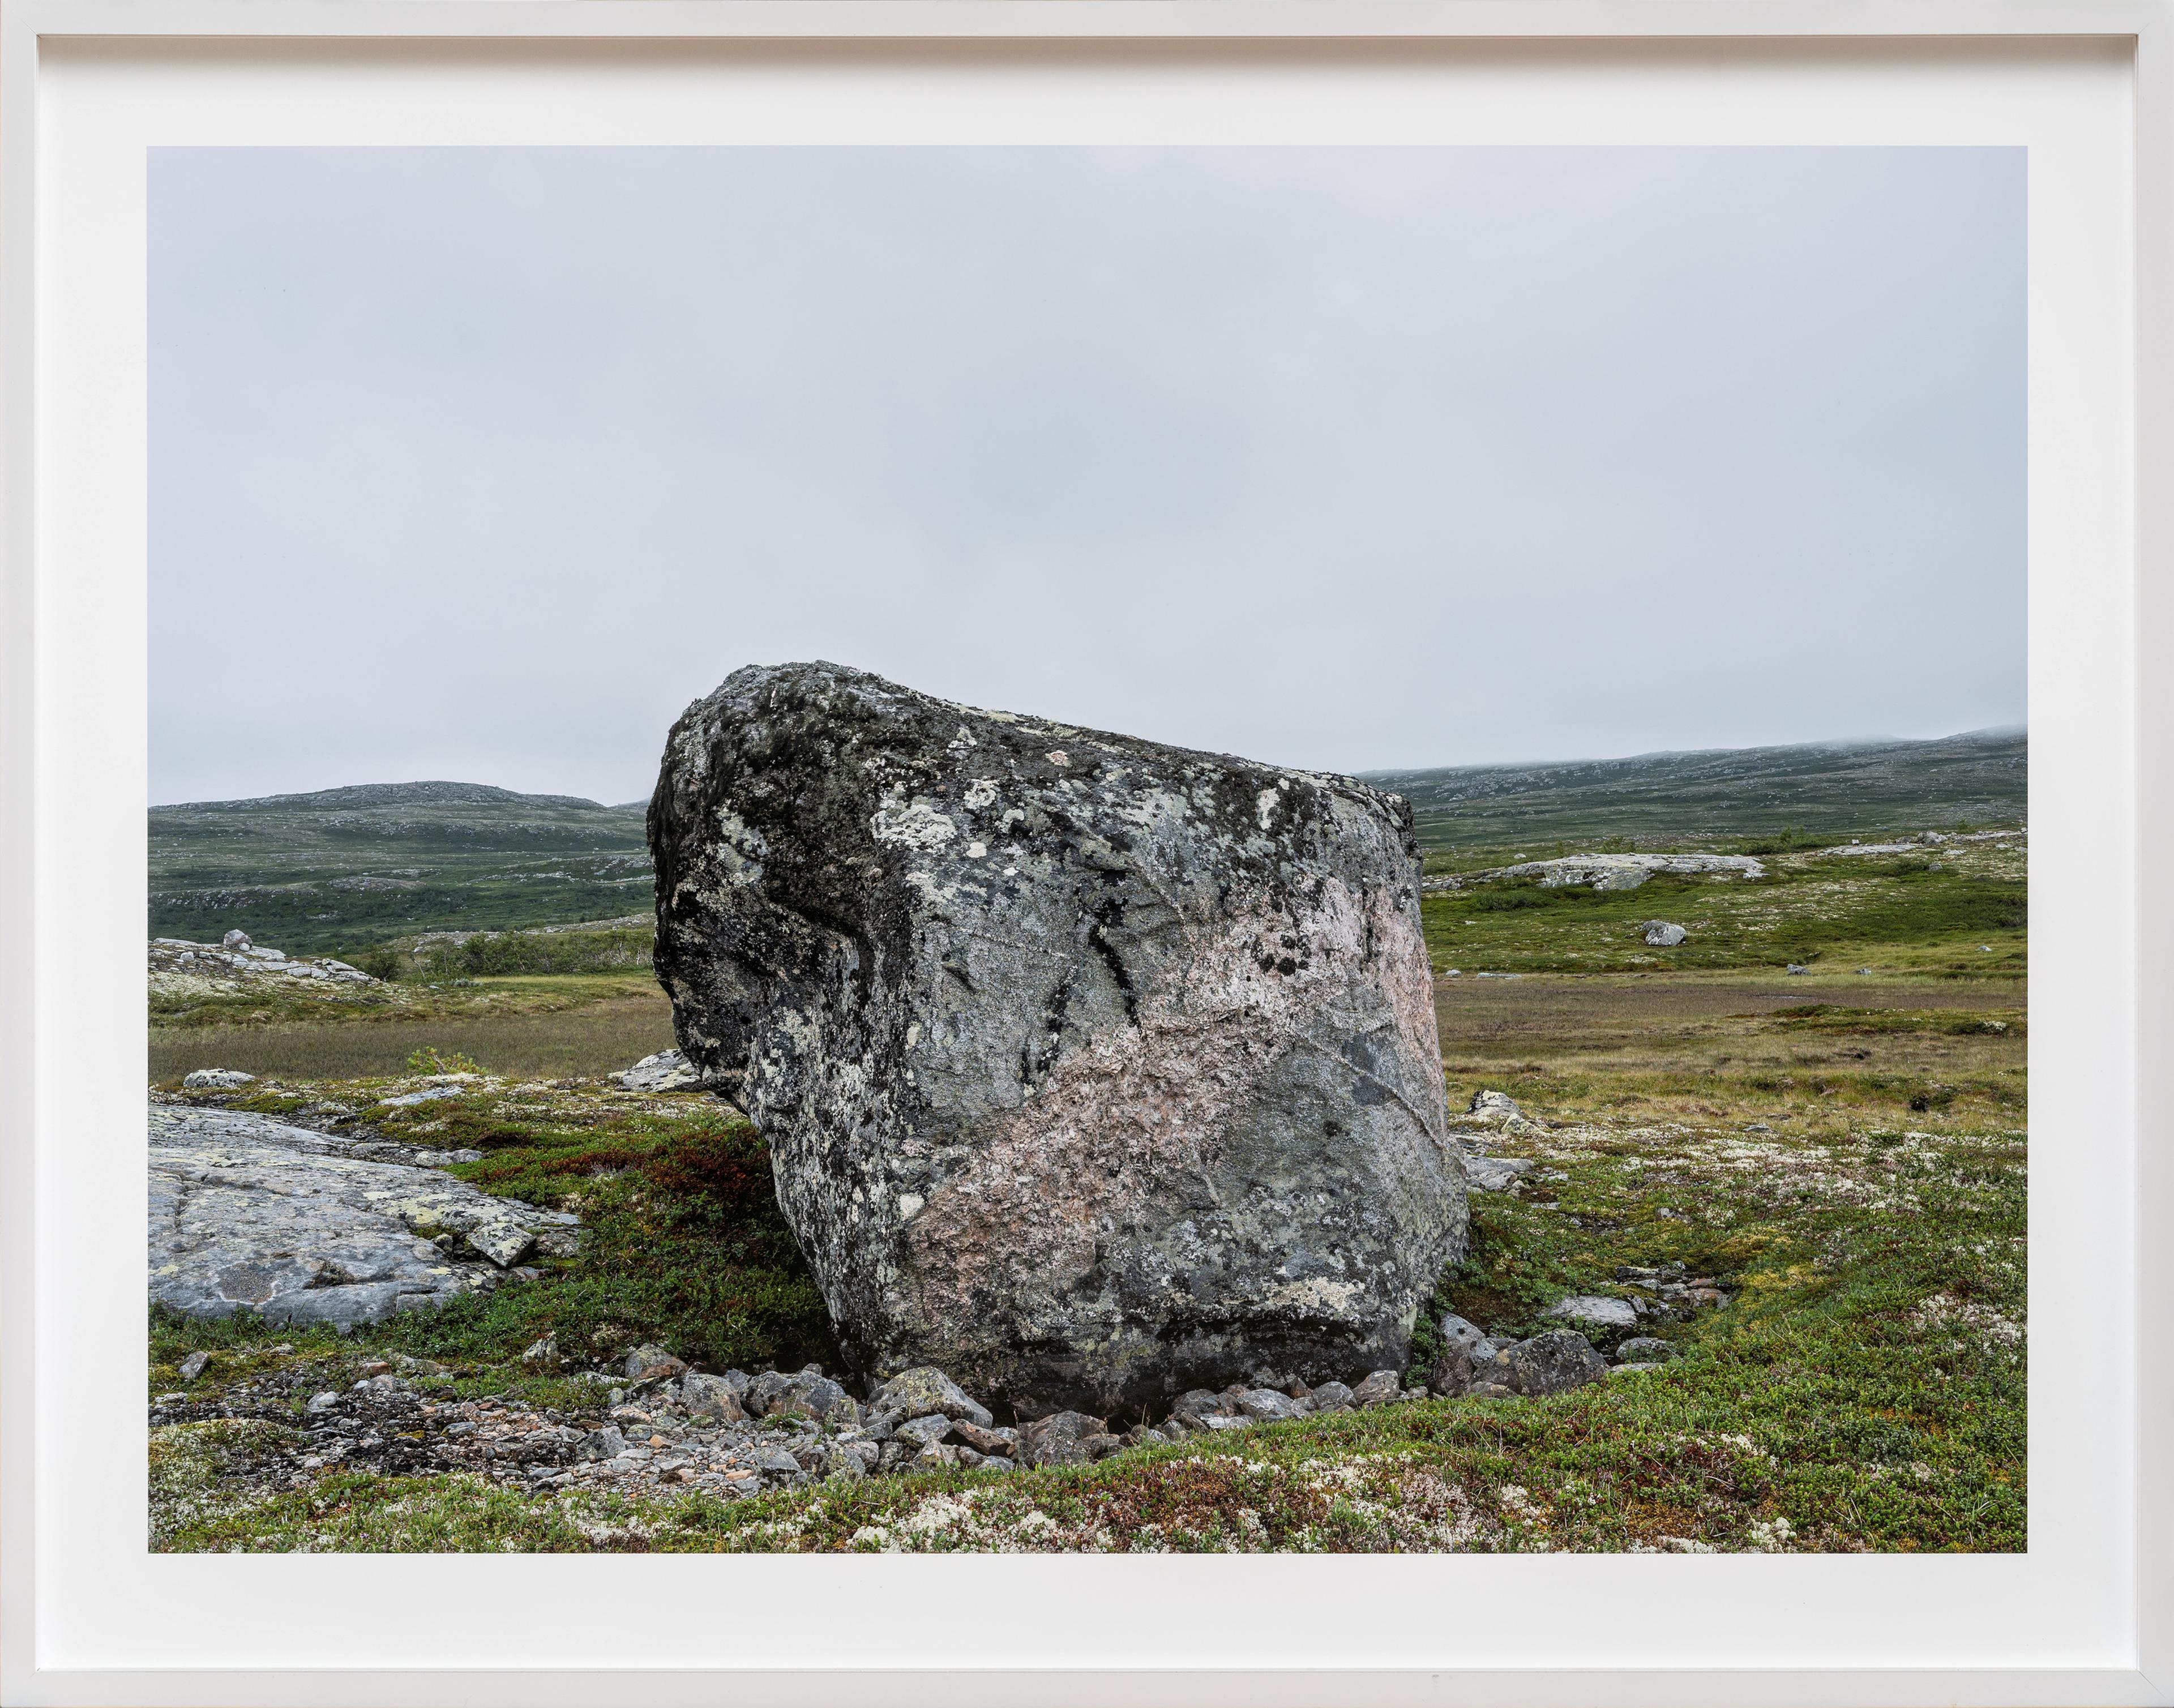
668	1070
1608	871
1090	1068
237	961
247	1212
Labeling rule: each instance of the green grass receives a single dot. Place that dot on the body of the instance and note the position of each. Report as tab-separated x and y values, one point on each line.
1925	916
1864	1389
1863	1392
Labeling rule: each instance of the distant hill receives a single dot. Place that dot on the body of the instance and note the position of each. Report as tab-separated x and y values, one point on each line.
1826	789
344	868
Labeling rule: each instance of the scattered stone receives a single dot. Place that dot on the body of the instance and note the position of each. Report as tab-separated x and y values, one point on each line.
810	1394
668	1070
1548	1364
1332	1397
247	1211
1758	1127
1379	1389
192	1366
647	1361
1204	1402
543	1351
1456	1331
1608	870
1453	1372
1493	1107
1644	1348
1495	1173
217	1079
1585	1307
916	1393
1061	1440
1028	1013
320	1404
1268	1406
990	1442
235	940
710	1397
1660	934
1794	967
179	968
430	1094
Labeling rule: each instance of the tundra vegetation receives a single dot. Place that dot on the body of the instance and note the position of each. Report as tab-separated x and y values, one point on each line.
1842	1148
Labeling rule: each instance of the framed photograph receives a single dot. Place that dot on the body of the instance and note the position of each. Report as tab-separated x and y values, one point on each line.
1060	853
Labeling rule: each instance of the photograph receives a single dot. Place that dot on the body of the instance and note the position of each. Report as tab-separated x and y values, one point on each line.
1000	849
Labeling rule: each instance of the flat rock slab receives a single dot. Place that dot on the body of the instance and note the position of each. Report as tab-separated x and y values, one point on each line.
248	1213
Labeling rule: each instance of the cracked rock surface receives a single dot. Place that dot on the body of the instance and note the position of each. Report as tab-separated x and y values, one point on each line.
246	1211
1092	1069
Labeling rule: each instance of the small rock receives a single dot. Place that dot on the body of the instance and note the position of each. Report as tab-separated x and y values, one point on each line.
921	1392
1456	1331
320	1404
1758	1127
1453	1372
1100	1446
606	1443
925	1431
647	1361
842	1465
1610	1313
992	1442
1630	1369
1493	1107
1270	1406
1379	1389
1202	1403
1549	1364
192	1366
1644	1348
218	1079
544	1351
710	1397
1794	967
666	1071
1660	934
1332	1397
1495	1174
1222	1422
236	940
1061	1440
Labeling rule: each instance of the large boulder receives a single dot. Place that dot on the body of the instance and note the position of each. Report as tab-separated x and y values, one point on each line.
1092	1070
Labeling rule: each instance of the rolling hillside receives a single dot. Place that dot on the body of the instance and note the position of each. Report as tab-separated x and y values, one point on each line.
344	868
1828	790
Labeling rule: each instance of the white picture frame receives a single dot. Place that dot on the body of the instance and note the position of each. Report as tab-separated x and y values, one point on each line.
88	86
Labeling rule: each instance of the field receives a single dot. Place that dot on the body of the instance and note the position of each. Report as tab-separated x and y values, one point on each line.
1844	1150
341	869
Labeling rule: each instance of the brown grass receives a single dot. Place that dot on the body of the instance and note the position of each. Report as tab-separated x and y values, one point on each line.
1699	1048
595	1038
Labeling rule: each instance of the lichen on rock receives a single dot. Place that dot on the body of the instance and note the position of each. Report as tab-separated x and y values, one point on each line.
1092	1069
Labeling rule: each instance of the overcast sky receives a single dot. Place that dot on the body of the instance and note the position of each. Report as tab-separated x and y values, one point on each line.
480	464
